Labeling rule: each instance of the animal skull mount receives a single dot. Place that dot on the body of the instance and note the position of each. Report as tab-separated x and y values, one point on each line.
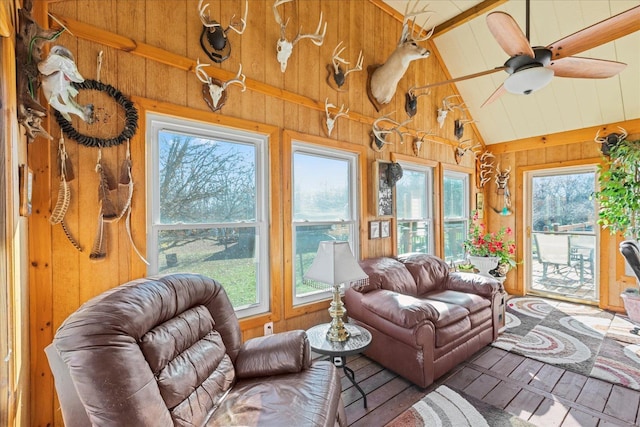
610	141
461	149
213	38
458	127
502	187
447	106
331	119
285	47
60	71
485	168
418	141
379	134
214	91
411	101
337	73
383	80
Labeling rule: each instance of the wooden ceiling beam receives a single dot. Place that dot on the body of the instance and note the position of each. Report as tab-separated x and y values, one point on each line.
466	16
564	138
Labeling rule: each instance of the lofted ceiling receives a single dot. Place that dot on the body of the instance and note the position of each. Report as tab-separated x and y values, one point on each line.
565	104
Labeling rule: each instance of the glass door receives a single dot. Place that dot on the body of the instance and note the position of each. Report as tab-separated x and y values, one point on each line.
561	233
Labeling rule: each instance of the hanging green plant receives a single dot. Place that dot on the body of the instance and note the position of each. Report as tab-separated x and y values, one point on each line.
619	194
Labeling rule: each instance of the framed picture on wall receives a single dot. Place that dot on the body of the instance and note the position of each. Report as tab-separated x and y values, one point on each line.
374	229
385	228
383	192
480	204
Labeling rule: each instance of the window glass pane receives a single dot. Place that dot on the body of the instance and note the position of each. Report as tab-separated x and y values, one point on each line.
455	233
321	188
205	180
308	238
224	254
453	195
411	195
414	236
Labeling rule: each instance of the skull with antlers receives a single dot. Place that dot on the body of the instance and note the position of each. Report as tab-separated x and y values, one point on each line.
284	46
331	119
213	90
379	134
610	141
213	38
447	106
336	72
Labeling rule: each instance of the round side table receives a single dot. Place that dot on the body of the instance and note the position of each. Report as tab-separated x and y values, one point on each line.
358	341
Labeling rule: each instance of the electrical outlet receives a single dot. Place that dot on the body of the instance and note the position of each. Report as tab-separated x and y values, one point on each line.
268	328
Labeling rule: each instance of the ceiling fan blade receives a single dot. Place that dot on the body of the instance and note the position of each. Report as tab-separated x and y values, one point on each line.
495	95
586	68
508	34
603	32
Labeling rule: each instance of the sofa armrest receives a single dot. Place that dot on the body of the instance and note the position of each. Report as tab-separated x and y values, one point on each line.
473	283
282	353
402	310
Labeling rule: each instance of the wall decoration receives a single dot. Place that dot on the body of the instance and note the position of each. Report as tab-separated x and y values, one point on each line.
213	38
385	229
374	229
330	119
383	189
284	47
337	74
379	134
480	204
213	90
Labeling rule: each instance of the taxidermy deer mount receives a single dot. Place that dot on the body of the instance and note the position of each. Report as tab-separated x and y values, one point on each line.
384	79
284	46
213	38
213	90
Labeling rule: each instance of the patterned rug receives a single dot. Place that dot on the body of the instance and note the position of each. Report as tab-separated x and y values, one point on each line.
575	337
447	408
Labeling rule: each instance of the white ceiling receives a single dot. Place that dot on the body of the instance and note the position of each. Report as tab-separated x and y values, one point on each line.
566	103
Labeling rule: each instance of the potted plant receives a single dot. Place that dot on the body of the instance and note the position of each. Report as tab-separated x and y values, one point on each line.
490	251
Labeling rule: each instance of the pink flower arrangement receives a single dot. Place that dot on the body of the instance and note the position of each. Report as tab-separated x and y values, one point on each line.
480	242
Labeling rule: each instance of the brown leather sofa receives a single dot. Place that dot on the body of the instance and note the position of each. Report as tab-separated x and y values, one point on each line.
424	320
167	351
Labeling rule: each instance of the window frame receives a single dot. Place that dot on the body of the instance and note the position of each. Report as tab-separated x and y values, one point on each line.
261	141
291	139
466	175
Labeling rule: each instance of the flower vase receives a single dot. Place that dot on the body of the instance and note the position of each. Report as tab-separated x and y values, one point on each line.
484	264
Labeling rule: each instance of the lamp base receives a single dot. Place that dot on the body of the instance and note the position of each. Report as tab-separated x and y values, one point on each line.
337	331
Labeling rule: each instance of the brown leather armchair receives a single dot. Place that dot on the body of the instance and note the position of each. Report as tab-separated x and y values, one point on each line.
167	351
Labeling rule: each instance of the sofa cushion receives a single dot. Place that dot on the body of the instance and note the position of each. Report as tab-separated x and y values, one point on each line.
428	271
471	302
408	311
480	317
387	273
453	331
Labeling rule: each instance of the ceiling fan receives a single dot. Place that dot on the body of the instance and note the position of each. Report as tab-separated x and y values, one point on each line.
532	68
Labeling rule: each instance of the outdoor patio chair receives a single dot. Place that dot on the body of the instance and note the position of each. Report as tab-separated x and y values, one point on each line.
554	250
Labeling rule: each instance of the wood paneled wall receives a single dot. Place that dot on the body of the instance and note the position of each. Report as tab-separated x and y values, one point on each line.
150	48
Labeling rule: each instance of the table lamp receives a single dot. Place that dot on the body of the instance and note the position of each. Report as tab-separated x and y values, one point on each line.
335	265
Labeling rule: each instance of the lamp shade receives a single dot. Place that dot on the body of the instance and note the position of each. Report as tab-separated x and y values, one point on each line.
334	264
529	80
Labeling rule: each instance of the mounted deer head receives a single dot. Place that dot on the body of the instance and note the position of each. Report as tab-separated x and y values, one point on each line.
610	141
285	47
384	79
213	90
336	70
448	104
331	119
379	134
213	38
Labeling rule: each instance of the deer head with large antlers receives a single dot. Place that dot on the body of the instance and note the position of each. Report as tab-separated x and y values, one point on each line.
384	79
284	46
213	38
337	72
213	90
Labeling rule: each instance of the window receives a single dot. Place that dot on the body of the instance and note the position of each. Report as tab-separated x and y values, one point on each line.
324	208
208	207
455	197
414	210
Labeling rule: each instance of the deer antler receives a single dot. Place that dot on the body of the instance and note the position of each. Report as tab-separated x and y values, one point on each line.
285	47
339	75
331	120
410	20
381	133
207	22
216	88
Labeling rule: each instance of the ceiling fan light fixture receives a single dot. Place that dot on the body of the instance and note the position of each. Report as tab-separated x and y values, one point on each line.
529	80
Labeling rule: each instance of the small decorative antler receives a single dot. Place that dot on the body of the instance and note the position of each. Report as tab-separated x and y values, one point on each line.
380	134
417	141
331	120
458	127
215	36
502	179
610	141
486	167
340	75
448	105
411	101
284	46
463	146
213	90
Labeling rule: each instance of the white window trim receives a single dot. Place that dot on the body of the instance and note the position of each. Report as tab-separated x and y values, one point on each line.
157	123
298	146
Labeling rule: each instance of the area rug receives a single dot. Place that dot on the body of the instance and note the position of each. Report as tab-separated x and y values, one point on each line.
575	337
447	408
